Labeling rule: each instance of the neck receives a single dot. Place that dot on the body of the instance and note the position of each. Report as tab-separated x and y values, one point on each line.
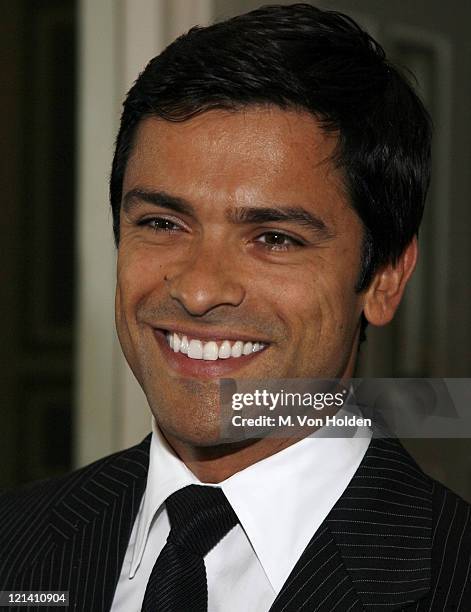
213	464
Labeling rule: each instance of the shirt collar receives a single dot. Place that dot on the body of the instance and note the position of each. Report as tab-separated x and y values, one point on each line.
167	474
280	501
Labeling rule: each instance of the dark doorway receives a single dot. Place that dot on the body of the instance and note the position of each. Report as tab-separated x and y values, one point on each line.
38	108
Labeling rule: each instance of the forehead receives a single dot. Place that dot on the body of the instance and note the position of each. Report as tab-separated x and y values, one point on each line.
253	154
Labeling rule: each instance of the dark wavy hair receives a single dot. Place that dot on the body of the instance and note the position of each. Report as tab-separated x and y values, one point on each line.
303	58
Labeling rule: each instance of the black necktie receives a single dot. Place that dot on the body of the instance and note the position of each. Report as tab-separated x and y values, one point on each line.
199	518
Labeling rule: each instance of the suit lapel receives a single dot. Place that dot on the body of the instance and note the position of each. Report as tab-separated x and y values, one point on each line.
319	580
93	523
373	551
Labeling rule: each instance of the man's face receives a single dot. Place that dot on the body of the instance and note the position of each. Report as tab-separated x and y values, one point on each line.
235	228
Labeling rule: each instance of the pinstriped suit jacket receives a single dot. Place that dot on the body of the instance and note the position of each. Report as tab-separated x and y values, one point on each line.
395	540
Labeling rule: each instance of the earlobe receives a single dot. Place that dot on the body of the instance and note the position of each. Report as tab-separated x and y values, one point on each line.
387	288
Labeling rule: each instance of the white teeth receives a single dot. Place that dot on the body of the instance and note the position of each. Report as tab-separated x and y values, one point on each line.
210	351
248	346
225	350
195	349
236	350
176	342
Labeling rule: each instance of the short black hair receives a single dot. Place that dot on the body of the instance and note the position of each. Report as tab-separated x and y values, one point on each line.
303	58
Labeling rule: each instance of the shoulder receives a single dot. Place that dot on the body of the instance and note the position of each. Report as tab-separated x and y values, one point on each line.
450	512
398	482
36	501
422	528
450	550
390	454
448	541
451	526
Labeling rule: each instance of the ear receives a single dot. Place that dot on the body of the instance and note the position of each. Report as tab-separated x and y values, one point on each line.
387	288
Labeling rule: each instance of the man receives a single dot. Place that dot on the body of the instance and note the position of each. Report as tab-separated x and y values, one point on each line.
267	188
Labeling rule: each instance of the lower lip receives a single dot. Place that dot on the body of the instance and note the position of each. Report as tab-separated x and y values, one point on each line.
201	368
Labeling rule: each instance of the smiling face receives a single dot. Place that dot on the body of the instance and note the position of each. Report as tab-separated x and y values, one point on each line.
237	234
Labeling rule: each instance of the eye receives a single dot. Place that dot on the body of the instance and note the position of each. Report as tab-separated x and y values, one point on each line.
160	224
278	241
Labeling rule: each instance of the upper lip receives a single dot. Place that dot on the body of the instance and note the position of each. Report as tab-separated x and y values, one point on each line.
210	334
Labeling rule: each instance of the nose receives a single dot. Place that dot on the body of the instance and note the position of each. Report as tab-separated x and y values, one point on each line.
205	281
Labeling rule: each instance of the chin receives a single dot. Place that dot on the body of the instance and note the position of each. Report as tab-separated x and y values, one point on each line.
196	435
189	423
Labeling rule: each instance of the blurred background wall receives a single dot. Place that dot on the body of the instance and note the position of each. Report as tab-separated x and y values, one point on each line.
69	396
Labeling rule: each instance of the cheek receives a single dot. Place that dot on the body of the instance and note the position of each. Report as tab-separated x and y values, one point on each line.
322	302
140	273
340	311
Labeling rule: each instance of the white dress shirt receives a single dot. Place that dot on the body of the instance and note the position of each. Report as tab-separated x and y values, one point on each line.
280	501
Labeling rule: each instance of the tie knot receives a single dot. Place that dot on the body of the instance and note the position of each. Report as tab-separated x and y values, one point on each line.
199	518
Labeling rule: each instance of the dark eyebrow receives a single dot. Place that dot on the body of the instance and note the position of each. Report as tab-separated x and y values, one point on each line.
237	215
288	214
158	198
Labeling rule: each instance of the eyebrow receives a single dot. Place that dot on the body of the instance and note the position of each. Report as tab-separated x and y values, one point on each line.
158	198
287	214
239	215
